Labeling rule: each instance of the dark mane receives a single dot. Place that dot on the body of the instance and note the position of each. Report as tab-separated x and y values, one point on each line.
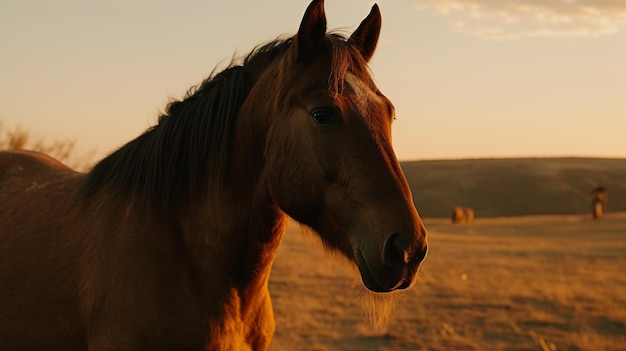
189	149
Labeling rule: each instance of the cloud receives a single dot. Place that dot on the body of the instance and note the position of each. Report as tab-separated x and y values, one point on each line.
515	19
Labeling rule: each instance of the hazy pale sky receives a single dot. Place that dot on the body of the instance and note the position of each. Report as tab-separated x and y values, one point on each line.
469	78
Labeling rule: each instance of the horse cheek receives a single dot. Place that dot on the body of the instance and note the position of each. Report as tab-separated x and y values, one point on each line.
293	191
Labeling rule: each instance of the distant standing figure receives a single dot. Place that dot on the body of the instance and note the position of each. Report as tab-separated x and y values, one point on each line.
599	195
462	215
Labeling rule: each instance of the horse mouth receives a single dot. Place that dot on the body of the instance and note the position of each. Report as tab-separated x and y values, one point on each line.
375	284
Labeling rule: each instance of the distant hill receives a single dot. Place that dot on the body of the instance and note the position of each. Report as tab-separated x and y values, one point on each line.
516	186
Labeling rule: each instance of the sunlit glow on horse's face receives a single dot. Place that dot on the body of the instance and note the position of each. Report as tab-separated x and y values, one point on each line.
365	97
340	176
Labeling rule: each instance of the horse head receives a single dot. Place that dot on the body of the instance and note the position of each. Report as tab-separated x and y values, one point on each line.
328	154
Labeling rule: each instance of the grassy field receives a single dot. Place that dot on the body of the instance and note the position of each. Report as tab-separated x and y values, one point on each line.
520	283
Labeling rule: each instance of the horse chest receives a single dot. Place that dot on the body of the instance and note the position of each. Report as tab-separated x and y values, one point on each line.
182	320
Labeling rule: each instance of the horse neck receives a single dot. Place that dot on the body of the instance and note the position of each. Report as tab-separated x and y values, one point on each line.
235	255
236	228
234	232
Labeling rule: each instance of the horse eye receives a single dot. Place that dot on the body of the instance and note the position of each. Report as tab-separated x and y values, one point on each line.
323	116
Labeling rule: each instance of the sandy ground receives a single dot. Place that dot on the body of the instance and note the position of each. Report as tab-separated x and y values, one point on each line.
527	283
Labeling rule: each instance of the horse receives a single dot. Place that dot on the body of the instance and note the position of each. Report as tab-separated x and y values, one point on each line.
168	242
462	215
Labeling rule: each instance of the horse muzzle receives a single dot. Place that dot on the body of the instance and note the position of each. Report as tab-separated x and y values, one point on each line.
397	266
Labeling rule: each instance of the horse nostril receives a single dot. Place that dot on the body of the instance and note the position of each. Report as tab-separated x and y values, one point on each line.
395	252
420	255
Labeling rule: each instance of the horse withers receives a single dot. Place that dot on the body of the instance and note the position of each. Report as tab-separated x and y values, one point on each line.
167	243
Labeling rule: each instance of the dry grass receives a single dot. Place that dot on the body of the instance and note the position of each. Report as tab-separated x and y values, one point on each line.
527	283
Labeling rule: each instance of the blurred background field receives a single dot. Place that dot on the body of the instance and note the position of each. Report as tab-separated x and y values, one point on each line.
515	186
518	283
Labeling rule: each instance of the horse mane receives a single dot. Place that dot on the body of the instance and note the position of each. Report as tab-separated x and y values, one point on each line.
189	148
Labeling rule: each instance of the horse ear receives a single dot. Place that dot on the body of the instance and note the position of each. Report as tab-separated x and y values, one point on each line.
312	30
366	36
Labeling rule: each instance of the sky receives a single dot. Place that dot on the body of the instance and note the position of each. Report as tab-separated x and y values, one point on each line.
468	78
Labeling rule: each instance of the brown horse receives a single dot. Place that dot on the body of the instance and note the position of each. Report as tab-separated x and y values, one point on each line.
167	244
462	215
